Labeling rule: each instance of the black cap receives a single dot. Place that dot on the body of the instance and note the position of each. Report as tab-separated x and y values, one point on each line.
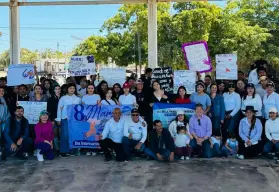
251	108
251	85
270	84
135	110
231	85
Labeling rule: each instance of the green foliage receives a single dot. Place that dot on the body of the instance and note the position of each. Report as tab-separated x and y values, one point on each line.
246	27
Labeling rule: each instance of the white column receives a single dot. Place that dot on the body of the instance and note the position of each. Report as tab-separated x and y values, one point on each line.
152	34
14	33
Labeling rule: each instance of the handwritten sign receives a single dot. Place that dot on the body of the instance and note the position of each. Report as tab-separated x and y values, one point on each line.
86	123
82	65
20	74
196	56
226	66
184	78
164	76
113	75
32	110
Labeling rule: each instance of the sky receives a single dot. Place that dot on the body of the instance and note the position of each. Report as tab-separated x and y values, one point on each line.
47	26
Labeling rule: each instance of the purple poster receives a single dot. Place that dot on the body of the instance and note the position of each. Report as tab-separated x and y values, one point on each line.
196	56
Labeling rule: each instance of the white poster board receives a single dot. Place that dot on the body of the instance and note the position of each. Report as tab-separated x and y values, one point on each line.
32	110
184	78
82	66
113	75
226	66
20	74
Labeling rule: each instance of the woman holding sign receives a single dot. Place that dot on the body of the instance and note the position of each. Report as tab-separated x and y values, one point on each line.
69	99
38	94
158	95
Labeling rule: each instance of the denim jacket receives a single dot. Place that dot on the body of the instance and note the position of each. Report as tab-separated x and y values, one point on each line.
218	107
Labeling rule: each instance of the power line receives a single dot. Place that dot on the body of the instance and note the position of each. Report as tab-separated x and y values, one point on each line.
56	28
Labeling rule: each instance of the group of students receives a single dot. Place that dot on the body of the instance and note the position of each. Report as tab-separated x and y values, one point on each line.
231	118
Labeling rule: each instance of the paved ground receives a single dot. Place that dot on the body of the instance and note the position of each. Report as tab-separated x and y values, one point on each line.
78	174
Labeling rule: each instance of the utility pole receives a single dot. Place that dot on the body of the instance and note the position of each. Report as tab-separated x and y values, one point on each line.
57	58
139	52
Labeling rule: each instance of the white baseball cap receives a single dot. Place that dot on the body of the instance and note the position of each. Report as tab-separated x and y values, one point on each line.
273	110
180	112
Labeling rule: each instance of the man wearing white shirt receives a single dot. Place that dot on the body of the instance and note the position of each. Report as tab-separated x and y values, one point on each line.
254	74
135	134
112	135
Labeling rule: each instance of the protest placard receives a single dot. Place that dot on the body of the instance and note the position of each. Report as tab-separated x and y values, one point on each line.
226	66
82	65
166	113
164	76
113	75
20	74
197	57
32	110
184	78
86	123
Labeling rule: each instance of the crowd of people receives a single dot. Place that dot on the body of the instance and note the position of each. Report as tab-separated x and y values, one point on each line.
232	118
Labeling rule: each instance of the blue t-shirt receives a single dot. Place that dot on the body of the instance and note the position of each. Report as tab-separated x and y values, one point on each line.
233	145
201	99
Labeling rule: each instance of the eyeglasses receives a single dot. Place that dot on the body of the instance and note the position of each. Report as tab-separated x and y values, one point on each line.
199	122
135	115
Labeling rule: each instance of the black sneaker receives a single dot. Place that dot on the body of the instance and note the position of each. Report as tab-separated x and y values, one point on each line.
3	157
63	156
108	158
21	157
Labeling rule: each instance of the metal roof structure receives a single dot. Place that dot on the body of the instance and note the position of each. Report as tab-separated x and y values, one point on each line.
152	22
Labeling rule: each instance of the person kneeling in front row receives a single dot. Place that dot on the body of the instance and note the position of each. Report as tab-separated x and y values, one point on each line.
161	143
44	137
112	135
201	130
16	135
135	134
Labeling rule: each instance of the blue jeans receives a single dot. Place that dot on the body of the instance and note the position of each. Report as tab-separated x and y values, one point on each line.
164	152
129	147
270	146
204	150
24	148
216	151
45	150
231	124
64	137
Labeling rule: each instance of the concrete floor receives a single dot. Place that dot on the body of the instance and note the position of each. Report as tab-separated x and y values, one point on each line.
78	174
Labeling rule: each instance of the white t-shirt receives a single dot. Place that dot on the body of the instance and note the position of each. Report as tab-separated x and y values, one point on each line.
91	99
127	99
108	102
181	140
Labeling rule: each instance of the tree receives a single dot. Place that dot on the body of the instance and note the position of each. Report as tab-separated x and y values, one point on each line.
235	28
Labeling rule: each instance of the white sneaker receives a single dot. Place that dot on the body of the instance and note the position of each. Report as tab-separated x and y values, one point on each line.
187	158
240	156
182	158
88	154
35	153
39	156
93	154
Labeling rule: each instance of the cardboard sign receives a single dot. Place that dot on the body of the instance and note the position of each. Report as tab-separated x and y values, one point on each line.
164	76
82	65
226	66
20	74
184	78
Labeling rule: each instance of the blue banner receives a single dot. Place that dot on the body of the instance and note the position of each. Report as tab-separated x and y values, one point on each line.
86	123
166	112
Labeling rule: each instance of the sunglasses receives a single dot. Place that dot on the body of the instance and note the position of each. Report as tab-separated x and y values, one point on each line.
135	115
199	122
